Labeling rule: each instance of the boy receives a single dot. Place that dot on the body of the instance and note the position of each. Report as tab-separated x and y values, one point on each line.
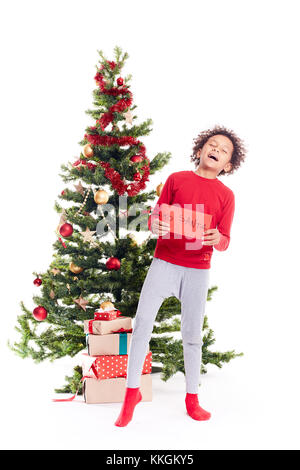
182	269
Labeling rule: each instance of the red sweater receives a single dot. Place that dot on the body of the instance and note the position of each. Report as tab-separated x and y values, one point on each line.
186	187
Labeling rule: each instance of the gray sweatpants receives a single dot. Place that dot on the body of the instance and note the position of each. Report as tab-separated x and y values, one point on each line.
190	287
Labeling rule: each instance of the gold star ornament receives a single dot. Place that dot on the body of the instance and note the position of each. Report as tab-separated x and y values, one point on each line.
87	235
81	302
79	188
55	271
128	116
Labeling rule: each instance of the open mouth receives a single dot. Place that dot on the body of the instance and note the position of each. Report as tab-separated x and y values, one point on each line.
214	157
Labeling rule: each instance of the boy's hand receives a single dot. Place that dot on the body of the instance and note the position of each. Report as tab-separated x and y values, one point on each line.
159	227
211	236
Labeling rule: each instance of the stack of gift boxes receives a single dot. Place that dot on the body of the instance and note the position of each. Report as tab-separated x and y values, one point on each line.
104	366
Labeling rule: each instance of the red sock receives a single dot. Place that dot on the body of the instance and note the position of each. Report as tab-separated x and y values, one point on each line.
132	397
194	409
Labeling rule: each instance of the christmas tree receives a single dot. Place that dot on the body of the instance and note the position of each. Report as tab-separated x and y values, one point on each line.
96	256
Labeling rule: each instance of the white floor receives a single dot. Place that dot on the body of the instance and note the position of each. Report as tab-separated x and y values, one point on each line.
248	412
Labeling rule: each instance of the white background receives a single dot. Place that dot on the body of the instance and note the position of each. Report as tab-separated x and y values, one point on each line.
194	64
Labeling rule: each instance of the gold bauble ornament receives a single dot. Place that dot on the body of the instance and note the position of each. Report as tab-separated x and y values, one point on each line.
133	239
101	196
107	305
74	268
87	151
159	188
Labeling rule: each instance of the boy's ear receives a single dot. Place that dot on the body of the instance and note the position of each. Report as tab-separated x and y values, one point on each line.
227	167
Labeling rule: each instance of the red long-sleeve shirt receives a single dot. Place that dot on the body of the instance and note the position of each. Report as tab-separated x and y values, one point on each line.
187	187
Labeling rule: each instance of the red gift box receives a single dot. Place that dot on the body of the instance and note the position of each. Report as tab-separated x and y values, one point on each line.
109	366
108	315
184	221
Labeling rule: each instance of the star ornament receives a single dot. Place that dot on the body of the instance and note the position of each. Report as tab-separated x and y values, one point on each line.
55	271
87	235
81	302
79	188
128	116
63	218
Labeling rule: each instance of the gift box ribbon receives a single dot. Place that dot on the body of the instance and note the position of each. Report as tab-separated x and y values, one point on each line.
76	393
123	343
122	340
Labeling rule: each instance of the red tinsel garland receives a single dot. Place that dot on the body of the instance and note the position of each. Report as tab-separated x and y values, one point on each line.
96	139
89	165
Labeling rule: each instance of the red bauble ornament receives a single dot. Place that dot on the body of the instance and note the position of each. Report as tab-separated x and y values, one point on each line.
37	282
40	313
113	263
63	192
120	81
66	230
137	176
136	159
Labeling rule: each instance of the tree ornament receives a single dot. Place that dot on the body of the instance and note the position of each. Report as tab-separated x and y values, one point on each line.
128	117
79	188
120	81
74	268
52	294
87	151
136	159
101	196
81	302
55	271
159	189
87	235
66	230
40	313
37	282
107	305
62	219
133	239
113	263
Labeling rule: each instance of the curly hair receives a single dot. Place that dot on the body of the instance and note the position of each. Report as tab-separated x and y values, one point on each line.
239	150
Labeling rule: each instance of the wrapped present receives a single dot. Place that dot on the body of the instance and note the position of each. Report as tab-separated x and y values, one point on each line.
110	366
104	327
113	390
107	315
115	343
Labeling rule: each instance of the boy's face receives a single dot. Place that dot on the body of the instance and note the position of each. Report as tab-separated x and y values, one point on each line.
216	153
